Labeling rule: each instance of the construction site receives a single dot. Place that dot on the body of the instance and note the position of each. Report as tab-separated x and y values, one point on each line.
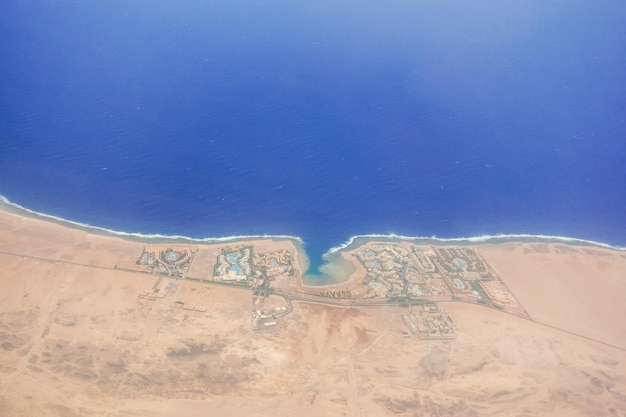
166	261
267	308
428	321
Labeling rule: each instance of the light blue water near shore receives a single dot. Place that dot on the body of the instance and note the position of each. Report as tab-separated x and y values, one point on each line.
323	120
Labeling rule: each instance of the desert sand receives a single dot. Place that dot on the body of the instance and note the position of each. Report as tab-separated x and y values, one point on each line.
76	340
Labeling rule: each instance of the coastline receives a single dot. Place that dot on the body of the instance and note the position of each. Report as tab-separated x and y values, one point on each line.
156	238
359	240
66	289
304	261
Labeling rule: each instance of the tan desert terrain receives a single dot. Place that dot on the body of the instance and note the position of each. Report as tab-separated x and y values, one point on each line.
76	340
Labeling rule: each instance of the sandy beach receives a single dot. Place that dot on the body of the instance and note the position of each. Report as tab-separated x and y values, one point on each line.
78	339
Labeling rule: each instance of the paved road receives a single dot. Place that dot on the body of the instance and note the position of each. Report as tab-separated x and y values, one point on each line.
291	295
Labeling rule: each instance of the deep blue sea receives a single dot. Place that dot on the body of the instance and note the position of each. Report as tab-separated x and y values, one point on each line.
320	119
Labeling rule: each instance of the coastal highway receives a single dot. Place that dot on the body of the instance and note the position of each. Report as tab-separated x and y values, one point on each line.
291	295
339	302
288	294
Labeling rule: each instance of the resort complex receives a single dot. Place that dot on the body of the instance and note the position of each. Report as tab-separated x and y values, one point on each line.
94	323
416	277
404	271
